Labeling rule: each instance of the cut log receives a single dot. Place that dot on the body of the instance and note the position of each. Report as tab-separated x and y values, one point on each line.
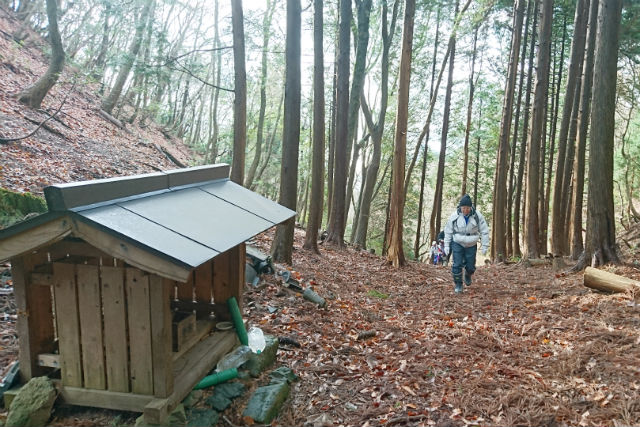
608	282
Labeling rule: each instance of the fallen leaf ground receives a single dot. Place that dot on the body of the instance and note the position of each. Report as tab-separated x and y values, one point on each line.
522	346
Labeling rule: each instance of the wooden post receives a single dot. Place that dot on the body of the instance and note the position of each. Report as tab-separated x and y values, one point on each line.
138	304
160	296
90	308
203	287
608	282
115	328
35	315
68	322
228	277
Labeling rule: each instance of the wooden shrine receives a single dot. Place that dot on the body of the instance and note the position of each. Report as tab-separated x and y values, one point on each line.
120	285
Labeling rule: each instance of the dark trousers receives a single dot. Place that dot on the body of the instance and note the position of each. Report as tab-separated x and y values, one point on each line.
462	257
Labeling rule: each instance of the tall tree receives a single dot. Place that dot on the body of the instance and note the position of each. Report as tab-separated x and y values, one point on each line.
395	251
266	35
517	208
317	163
577	242
536	133
357	83
34	94
498	242
601	228
417	244
141	22
467	130
436	213
240	95
515	143
282	247
426	128
565	159
216	64
376	129
337	214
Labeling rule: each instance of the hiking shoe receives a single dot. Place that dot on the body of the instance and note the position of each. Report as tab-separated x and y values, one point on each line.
458	289
467	278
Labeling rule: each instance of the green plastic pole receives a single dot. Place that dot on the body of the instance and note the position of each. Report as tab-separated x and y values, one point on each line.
236	318
217	378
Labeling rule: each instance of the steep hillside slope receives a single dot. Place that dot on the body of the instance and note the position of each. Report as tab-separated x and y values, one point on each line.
78	144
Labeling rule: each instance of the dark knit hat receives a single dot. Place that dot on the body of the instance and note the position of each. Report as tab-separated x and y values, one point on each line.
465	201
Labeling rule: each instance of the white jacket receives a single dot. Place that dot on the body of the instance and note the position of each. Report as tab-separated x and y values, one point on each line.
466	233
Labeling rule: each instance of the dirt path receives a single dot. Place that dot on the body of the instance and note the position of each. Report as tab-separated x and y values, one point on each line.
520	347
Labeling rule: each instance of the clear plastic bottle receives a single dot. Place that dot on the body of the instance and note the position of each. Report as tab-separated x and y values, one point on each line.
256	339
235	359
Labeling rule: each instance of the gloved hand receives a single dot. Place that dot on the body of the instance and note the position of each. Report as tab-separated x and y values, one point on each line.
484	251
447	250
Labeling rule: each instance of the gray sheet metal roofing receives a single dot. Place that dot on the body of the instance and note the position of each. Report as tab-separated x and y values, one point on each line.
188	224
191	224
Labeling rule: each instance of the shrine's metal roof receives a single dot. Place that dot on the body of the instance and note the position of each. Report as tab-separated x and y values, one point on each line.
187	216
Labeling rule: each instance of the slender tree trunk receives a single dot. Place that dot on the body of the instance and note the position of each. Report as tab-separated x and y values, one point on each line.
377	129
436	213
110	101
467	130
266	33
332	129
525	131
216	63
563	167
601	228
417	243
240	98
567	200
514	138
535	137
395	251
272	138
98	65
282	247
359	73
317	166
425	128
477	162
498	242
34	94
336	225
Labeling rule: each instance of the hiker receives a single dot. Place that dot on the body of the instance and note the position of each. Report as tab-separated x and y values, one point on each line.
461	234
437	253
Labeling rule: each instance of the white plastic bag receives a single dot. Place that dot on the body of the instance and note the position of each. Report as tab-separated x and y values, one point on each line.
256	339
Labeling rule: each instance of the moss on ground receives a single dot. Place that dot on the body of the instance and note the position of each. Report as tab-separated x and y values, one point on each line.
15	206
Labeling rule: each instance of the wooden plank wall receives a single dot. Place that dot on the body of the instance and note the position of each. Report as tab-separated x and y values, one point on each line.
199	288
104	325
115	329
67	319
35	323
139	331
228	276
160	298
90	307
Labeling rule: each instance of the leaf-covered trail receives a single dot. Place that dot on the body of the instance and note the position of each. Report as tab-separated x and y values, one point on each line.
519	347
